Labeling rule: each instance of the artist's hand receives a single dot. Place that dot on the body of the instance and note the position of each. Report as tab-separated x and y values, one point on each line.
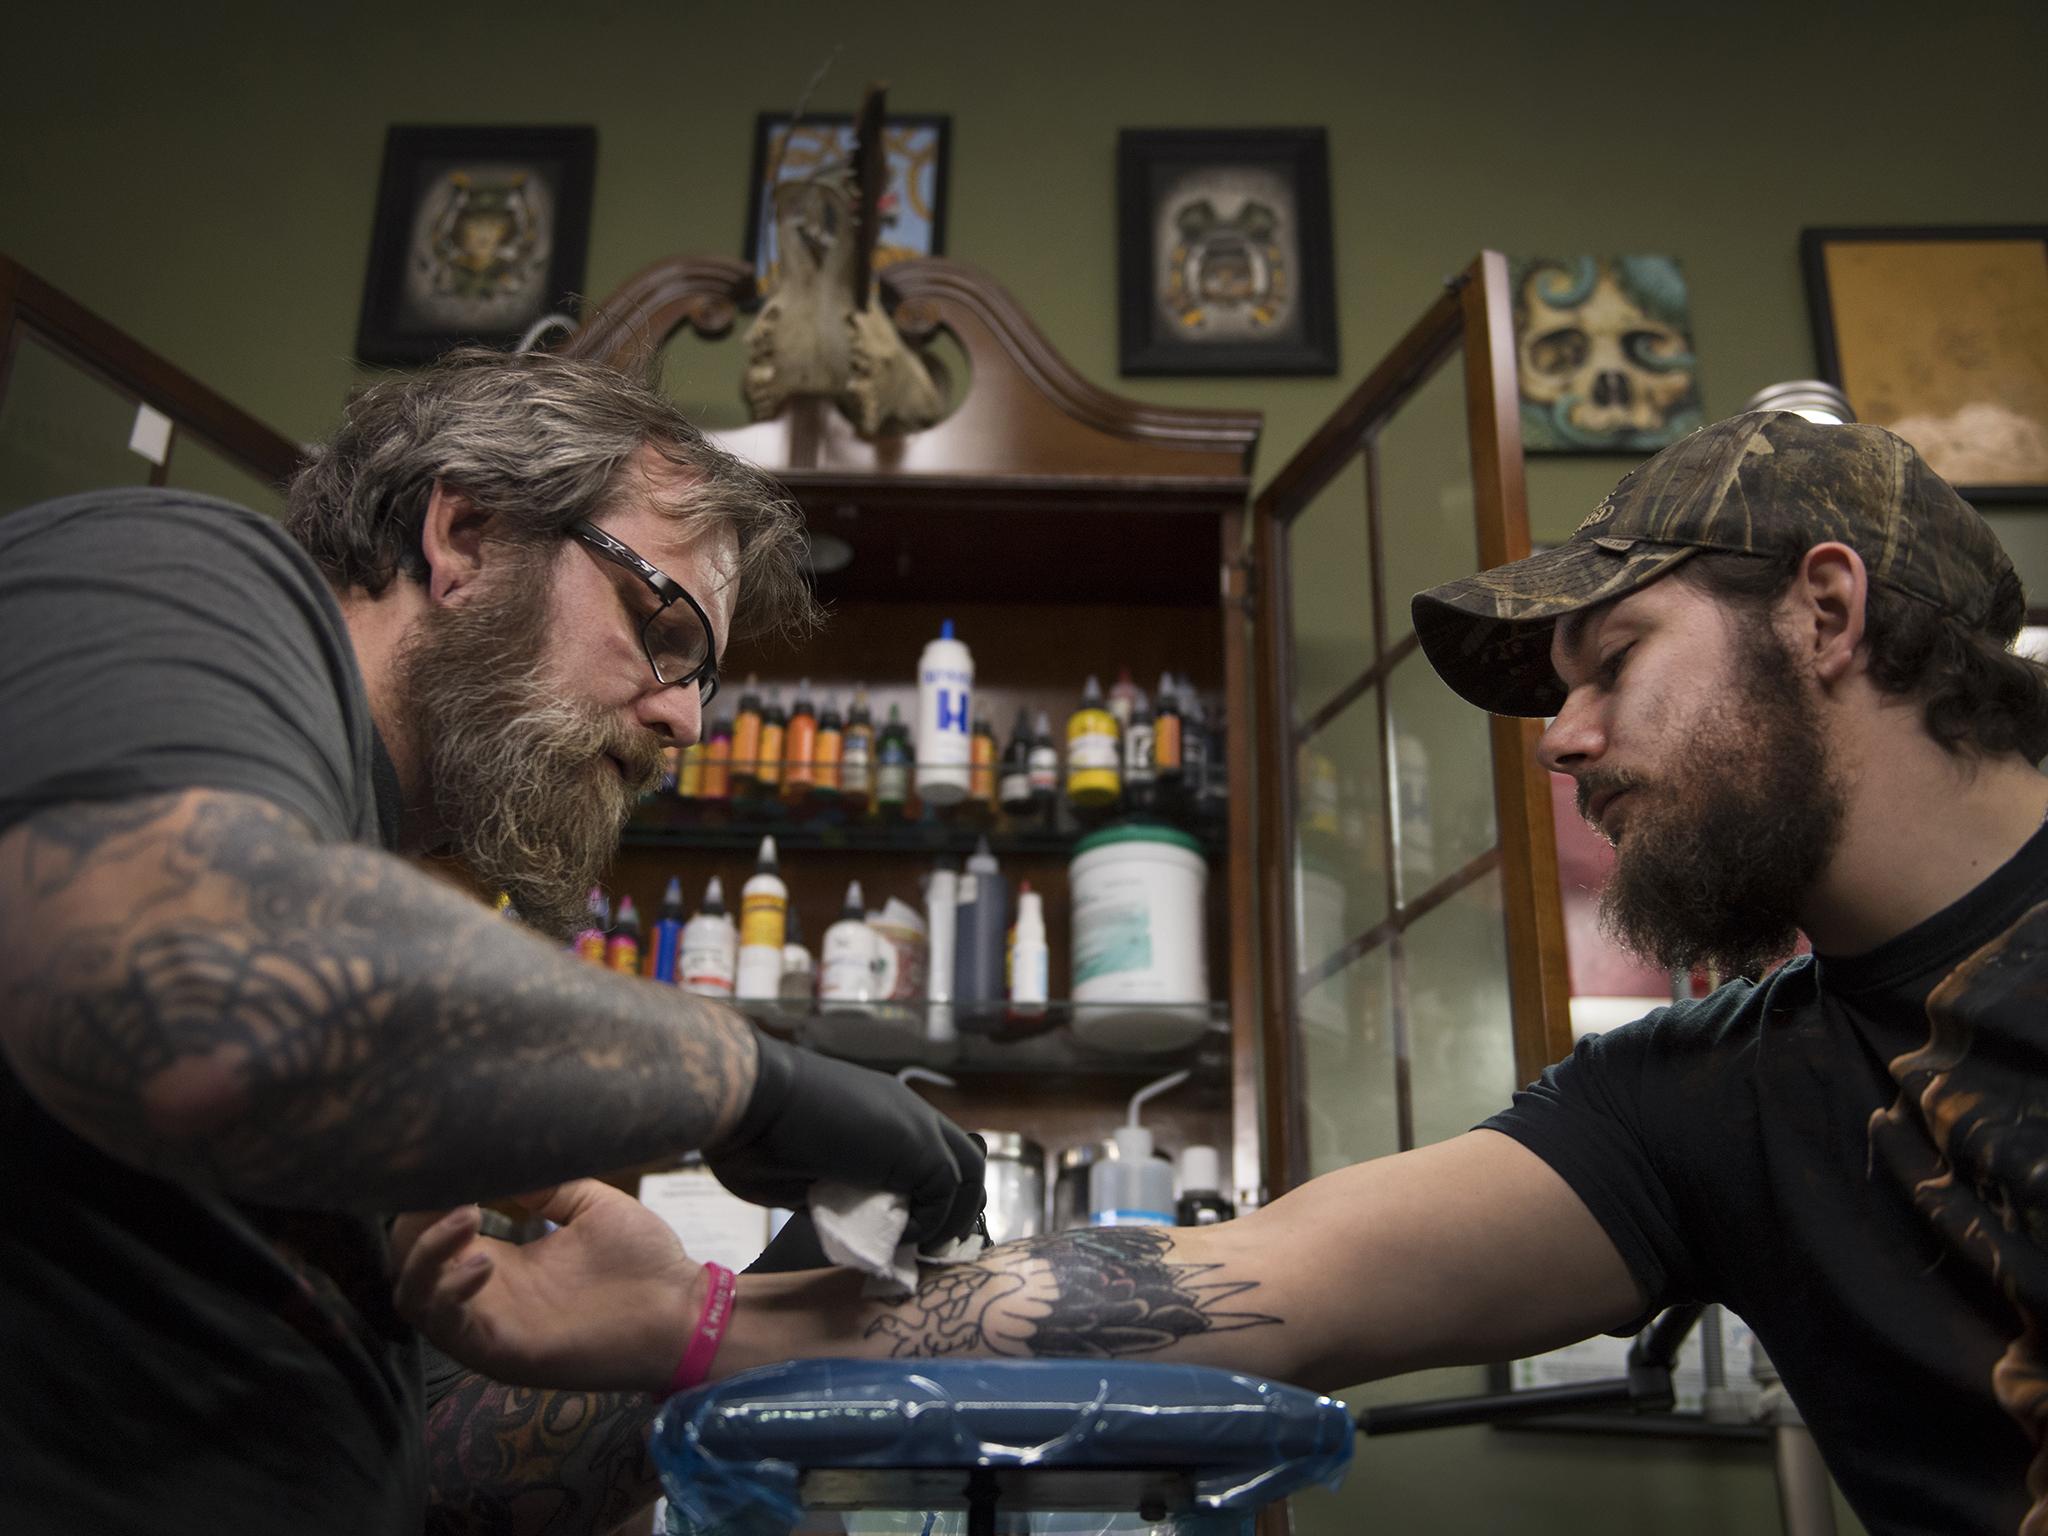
604	1303
812	1117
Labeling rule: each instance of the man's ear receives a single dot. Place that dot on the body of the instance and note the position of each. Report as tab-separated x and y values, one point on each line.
1827	599
452	542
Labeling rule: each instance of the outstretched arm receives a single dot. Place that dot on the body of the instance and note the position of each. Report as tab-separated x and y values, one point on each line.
1470	1250
196	985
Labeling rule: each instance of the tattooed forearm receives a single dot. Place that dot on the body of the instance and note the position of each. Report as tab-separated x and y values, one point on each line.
1097	1292
199	987
512	1461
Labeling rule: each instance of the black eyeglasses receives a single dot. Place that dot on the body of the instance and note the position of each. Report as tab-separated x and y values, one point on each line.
676	636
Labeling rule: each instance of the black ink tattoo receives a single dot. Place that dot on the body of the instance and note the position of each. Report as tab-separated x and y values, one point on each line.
1092	1293
199	986
514	1461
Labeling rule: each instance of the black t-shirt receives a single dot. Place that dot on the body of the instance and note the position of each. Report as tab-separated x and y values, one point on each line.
173	1360
1853	1156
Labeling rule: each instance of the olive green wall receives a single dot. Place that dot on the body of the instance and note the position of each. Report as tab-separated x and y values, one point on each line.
203	175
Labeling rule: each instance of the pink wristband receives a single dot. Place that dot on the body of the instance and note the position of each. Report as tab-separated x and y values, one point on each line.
710	1329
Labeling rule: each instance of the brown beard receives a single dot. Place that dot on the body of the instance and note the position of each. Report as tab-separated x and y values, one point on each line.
1715	861
523	788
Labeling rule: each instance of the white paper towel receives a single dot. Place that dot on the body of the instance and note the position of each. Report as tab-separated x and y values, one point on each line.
863	1229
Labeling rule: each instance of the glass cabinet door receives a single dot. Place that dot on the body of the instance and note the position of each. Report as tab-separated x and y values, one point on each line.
1414	963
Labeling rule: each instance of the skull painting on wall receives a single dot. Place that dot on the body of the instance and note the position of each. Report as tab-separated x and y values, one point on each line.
1604	354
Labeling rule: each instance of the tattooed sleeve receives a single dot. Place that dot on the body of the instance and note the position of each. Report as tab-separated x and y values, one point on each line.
513	1461
1101	1292
195	984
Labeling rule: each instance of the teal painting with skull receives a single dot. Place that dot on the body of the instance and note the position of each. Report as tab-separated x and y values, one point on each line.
1604	349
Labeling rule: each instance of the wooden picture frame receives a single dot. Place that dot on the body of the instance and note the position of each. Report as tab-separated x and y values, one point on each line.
1941	334
916	146
479	232
1224	257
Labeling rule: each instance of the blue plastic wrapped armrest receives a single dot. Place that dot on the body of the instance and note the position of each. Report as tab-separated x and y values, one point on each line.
731	1454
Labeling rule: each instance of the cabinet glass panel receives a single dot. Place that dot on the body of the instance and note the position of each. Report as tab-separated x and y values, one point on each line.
1461	1041
196	466
1347	1058
1329	567
1443	777
62	430
1340	873
1425	492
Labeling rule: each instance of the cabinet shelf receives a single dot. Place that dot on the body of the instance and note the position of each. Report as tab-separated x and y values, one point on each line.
995	1041
739	826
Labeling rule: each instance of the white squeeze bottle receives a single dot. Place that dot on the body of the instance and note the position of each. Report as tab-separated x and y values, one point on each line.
945	701
846	960
764	928
709	948
1030	961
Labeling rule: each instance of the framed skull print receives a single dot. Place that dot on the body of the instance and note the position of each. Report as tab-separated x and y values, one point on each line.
1604	352
1224	263
479	233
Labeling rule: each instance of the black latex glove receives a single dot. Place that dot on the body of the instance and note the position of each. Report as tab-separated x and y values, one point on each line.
812	1117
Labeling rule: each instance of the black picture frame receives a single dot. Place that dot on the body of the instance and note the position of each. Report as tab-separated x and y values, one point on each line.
1156	166
929	236
423	293
2002	338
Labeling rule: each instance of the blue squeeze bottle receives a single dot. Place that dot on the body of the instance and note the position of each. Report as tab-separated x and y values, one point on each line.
666	939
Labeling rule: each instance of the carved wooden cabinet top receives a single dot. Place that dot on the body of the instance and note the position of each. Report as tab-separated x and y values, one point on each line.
1023	419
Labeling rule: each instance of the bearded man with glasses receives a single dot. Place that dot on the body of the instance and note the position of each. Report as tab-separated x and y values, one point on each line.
236	1032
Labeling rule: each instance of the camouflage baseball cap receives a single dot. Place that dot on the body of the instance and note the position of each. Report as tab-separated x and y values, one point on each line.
1752	484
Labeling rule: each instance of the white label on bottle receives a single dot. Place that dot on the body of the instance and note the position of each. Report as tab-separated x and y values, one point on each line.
706	969
1014	787
1095	749
1045	769
851	966
1138	754
1030	973
854	762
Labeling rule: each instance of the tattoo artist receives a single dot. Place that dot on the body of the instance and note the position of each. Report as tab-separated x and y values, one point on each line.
236	1032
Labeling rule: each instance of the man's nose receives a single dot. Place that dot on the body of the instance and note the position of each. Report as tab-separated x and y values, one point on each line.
1574	739
673	713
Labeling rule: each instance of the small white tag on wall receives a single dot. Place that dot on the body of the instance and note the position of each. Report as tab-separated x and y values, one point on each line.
152	434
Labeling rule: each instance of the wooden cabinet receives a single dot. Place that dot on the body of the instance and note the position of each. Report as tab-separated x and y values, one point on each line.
1065	531
1385	952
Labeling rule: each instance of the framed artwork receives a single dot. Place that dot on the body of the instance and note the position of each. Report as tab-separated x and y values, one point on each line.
1941	334
913	208
1224	260
479	232
1604	354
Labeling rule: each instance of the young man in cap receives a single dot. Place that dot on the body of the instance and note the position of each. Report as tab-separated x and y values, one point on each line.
234	1028
1778	660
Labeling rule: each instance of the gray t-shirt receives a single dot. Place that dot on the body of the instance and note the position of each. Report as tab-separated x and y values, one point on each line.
177	1361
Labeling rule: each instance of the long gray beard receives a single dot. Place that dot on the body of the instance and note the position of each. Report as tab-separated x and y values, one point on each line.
522	788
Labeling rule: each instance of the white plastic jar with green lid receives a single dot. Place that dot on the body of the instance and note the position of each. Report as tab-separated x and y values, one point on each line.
1140	962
